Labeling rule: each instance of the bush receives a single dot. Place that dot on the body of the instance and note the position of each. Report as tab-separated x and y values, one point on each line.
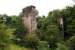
31	40
62	47
17	47
71	43
6	34
43	45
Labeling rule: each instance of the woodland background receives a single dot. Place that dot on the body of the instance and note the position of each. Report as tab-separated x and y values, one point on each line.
49	35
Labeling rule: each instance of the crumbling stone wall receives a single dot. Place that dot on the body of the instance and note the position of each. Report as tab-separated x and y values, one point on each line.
29	18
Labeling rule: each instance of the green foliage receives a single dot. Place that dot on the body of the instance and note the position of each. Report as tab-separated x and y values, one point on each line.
32	39
43	45
16	47
71	43
48	30
6	34
62	47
